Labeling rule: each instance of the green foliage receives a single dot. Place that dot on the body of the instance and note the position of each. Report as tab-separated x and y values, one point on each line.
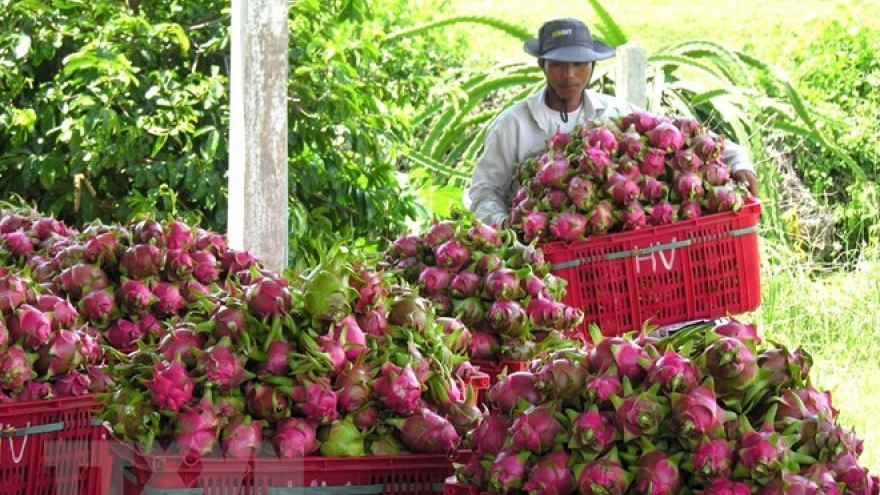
109	110
106	114
838	74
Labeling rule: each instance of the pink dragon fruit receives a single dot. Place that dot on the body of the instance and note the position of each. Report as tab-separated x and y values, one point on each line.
802	403
295	438
71	384
731	362
629	169
582	192
688	185
602	138
196	429
632	217
696	414
276	363
724	486
640	120
464	284
33	391
689	126
61	312
508	471
61	354
631	144
550	475
241	438
791	484
170	387
716	173
483	236
222	366
706	146
398	388
434	279
180	341
601	217
135	297
510	390
689	210
604	476
622	191
13	292
439	232
661	213
719	199
148	231
268	297
563	377
489	437
351	336
179	235
141	261
17	243
15	368
594	163
537	429
653	163
30	326
507	317
99	307
373	322
568	226
555	173
626	355
640	414
657	473
452	255
267	402
502	284
599	388
761	454
427	432
686	160
712	458
592	431
675	372
354	386
666	137
739	330
315	399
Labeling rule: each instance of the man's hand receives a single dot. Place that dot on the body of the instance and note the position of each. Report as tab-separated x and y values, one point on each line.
749	178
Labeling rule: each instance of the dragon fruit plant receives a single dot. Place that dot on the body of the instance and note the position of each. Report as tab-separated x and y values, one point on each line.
627	173
500	289
674	415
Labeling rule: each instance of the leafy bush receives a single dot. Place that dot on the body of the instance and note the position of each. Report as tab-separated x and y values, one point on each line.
837	72
109	110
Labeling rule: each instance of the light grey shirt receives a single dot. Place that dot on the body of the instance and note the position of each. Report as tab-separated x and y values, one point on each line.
523	130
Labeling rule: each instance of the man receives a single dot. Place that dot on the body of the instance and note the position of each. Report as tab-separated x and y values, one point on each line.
566	53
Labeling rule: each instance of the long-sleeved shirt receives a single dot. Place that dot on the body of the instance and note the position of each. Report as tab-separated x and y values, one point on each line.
524	130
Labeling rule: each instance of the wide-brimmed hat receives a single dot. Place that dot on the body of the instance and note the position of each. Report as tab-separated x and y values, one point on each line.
567	40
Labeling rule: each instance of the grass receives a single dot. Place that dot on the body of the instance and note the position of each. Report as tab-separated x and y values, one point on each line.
835	316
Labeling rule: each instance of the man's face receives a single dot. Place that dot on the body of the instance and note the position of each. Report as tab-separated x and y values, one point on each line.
568	79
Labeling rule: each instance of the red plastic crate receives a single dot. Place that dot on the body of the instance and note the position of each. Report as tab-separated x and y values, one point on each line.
706	267
46	447
453	487
157	473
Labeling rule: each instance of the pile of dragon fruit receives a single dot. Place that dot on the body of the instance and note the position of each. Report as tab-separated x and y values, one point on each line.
483	278
203	351
708	410
626	173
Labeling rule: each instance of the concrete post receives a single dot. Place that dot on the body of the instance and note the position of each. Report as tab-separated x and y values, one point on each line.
632	65
258	130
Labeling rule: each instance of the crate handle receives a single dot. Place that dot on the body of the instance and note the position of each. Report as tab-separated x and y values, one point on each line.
12	431
651	249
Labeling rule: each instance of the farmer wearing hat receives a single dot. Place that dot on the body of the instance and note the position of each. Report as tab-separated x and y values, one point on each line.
566	53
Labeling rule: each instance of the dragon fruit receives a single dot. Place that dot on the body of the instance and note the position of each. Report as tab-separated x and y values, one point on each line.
719	199
507	317
168	299
582	192
696	414
632	217
33	391
71	384
171	387
13	292
508	471
427	432
621	190
61	354
631	143
398	388
711	459
604	476
507	392
295	438
600	137
688	186
267	402
135	297
537	429
99	307
439	232
490	435
452	255
30	326
594	163
661	213
149	232
639	120
686	161
268	297
657	473
434	279
640	414
17	243
554	174
241	438
600	388
591	431
666	137
716	173
141	261
483	236
674	372
601	217
688	210
222	366
550	475
315	399
15	368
